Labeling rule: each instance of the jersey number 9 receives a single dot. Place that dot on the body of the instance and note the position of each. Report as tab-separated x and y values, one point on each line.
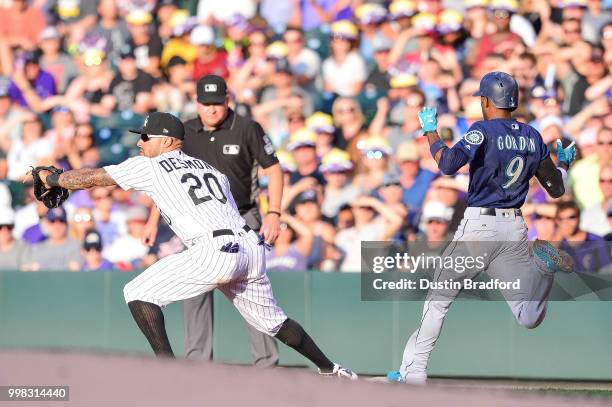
198	185
514	170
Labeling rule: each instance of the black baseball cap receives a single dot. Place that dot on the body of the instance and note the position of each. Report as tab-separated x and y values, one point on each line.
310	195
176	60
127	52
31	57
162	124
92	240
211	90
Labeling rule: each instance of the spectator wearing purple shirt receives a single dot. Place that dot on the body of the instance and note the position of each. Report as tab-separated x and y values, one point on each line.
277	13
34	234
92	253
30	84
589	252
314	13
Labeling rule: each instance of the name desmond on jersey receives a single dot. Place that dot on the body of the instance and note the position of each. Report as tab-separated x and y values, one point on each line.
172	164
519	143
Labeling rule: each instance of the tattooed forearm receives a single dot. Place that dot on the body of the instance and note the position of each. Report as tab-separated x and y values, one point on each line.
86	178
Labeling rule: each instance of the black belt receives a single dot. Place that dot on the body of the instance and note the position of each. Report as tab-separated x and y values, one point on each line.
491	211
223	232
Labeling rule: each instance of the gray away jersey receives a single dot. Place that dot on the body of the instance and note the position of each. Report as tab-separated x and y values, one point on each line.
192	196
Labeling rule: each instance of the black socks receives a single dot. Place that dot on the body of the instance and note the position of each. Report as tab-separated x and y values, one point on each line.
292	334
150	320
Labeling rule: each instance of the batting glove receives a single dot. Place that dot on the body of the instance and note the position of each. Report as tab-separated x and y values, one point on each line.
427	118
566	155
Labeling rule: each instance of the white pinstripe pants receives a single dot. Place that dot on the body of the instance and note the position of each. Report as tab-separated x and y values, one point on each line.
203	267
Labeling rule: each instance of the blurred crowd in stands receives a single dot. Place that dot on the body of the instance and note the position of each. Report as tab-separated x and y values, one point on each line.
336	84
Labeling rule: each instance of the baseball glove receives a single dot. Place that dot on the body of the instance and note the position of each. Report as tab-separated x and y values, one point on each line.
51	197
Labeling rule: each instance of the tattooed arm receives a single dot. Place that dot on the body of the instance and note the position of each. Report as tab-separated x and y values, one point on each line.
81	179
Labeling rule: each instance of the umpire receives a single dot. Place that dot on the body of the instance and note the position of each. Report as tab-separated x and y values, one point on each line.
236	146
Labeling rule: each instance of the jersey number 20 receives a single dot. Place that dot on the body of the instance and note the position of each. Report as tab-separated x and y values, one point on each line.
514	170
198	185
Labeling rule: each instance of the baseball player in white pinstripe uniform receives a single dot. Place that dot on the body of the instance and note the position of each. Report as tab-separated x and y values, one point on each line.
222	252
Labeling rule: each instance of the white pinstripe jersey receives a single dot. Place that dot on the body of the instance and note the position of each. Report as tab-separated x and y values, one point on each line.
192	196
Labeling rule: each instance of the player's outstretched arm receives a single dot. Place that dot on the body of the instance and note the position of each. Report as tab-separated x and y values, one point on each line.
449	160
81	179
429	125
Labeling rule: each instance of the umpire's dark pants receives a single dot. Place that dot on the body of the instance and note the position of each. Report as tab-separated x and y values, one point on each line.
198	314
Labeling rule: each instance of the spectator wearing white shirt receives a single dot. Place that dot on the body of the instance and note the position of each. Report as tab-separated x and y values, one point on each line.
29	151
211	11
305	63
11	250
344	71
368	227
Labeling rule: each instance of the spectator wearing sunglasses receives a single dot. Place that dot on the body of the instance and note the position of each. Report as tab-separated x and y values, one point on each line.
81	222
92	253
544	222
435	223
375	160
59	252
11	250
350	124
589	251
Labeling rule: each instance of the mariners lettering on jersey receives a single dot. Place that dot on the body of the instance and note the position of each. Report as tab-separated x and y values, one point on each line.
174	163
514	143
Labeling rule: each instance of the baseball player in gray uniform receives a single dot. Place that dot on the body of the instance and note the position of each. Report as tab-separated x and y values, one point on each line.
503	156
222	251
